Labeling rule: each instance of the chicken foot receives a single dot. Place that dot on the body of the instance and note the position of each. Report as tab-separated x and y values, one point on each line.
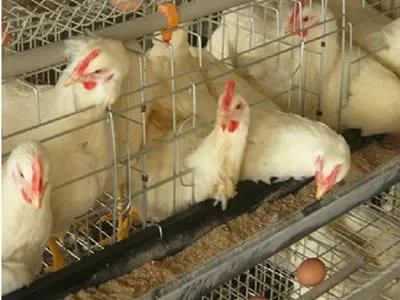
224	190
124	222
58	258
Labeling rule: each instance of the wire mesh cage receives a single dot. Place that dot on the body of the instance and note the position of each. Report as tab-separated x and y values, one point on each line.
272	61
390	7
368	231
31	24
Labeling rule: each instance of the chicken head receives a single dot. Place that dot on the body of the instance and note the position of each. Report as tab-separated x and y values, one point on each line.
232	109
303	23
97	63
30	172
330	171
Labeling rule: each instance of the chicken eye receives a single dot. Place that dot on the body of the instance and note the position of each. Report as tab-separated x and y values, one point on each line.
305	19
99	71
238	106
21	175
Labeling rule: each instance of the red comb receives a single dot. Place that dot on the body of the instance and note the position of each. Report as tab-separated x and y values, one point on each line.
296	12
228	94
332	176
84	64
37	183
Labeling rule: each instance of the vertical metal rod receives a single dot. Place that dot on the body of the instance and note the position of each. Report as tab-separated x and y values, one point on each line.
36	95
349	68
321	94
278	34
194	97
199	47
174	145
110	121
144	175
303	66
225	37
236	34
129	182
343	62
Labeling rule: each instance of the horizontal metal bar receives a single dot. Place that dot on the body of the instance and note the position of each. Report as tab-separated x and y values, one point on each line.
374	287
41	57
364	20
201	280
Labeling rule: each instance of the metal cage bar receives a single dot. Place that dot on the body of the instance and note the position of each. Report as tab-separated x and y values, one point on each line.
203	279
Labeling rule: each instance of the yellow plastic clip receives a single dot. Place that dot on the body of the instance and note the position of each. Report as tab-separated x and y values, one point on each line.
172	15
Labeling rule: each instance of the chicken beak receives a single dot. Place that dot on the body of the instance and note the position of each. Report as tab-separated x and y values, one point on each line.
224	118
74	78
37	199
321	191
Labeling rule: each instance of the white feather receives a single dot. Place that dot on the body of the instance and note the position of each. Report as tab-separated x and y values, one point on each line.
373	104
25	229
83	150
214	158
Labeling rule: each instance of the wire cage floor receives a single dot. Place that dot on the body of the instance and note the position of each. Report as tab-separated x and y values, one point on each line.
374	236
48	21
360	249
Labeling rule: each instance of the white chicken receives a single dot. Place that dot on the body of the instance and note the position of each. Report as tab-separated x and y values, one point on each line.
26	214
15	275
386	45
318	151
240	40
101	88
215	162
279	64
269	153
179	90
98	67
364	82
174	86
246	27
373	30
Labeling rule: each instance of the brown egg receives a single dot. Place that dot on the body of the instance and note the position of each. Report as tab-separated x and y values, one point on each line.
257	298
311	272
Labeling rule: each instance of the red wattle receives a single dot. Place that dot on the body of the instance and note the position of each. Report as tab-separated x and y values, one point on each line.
26	196
89	85
233	125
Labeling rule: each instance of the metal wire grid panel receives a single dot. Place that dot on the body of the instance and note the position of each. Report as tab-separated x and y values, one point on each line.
89	233
368	230
260	49
92	232
390	7
31	24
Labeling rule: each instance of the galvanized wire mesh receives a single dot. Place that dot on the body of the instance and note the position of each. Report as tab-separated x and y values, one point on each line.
391	8
31	24
369	230
47	21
